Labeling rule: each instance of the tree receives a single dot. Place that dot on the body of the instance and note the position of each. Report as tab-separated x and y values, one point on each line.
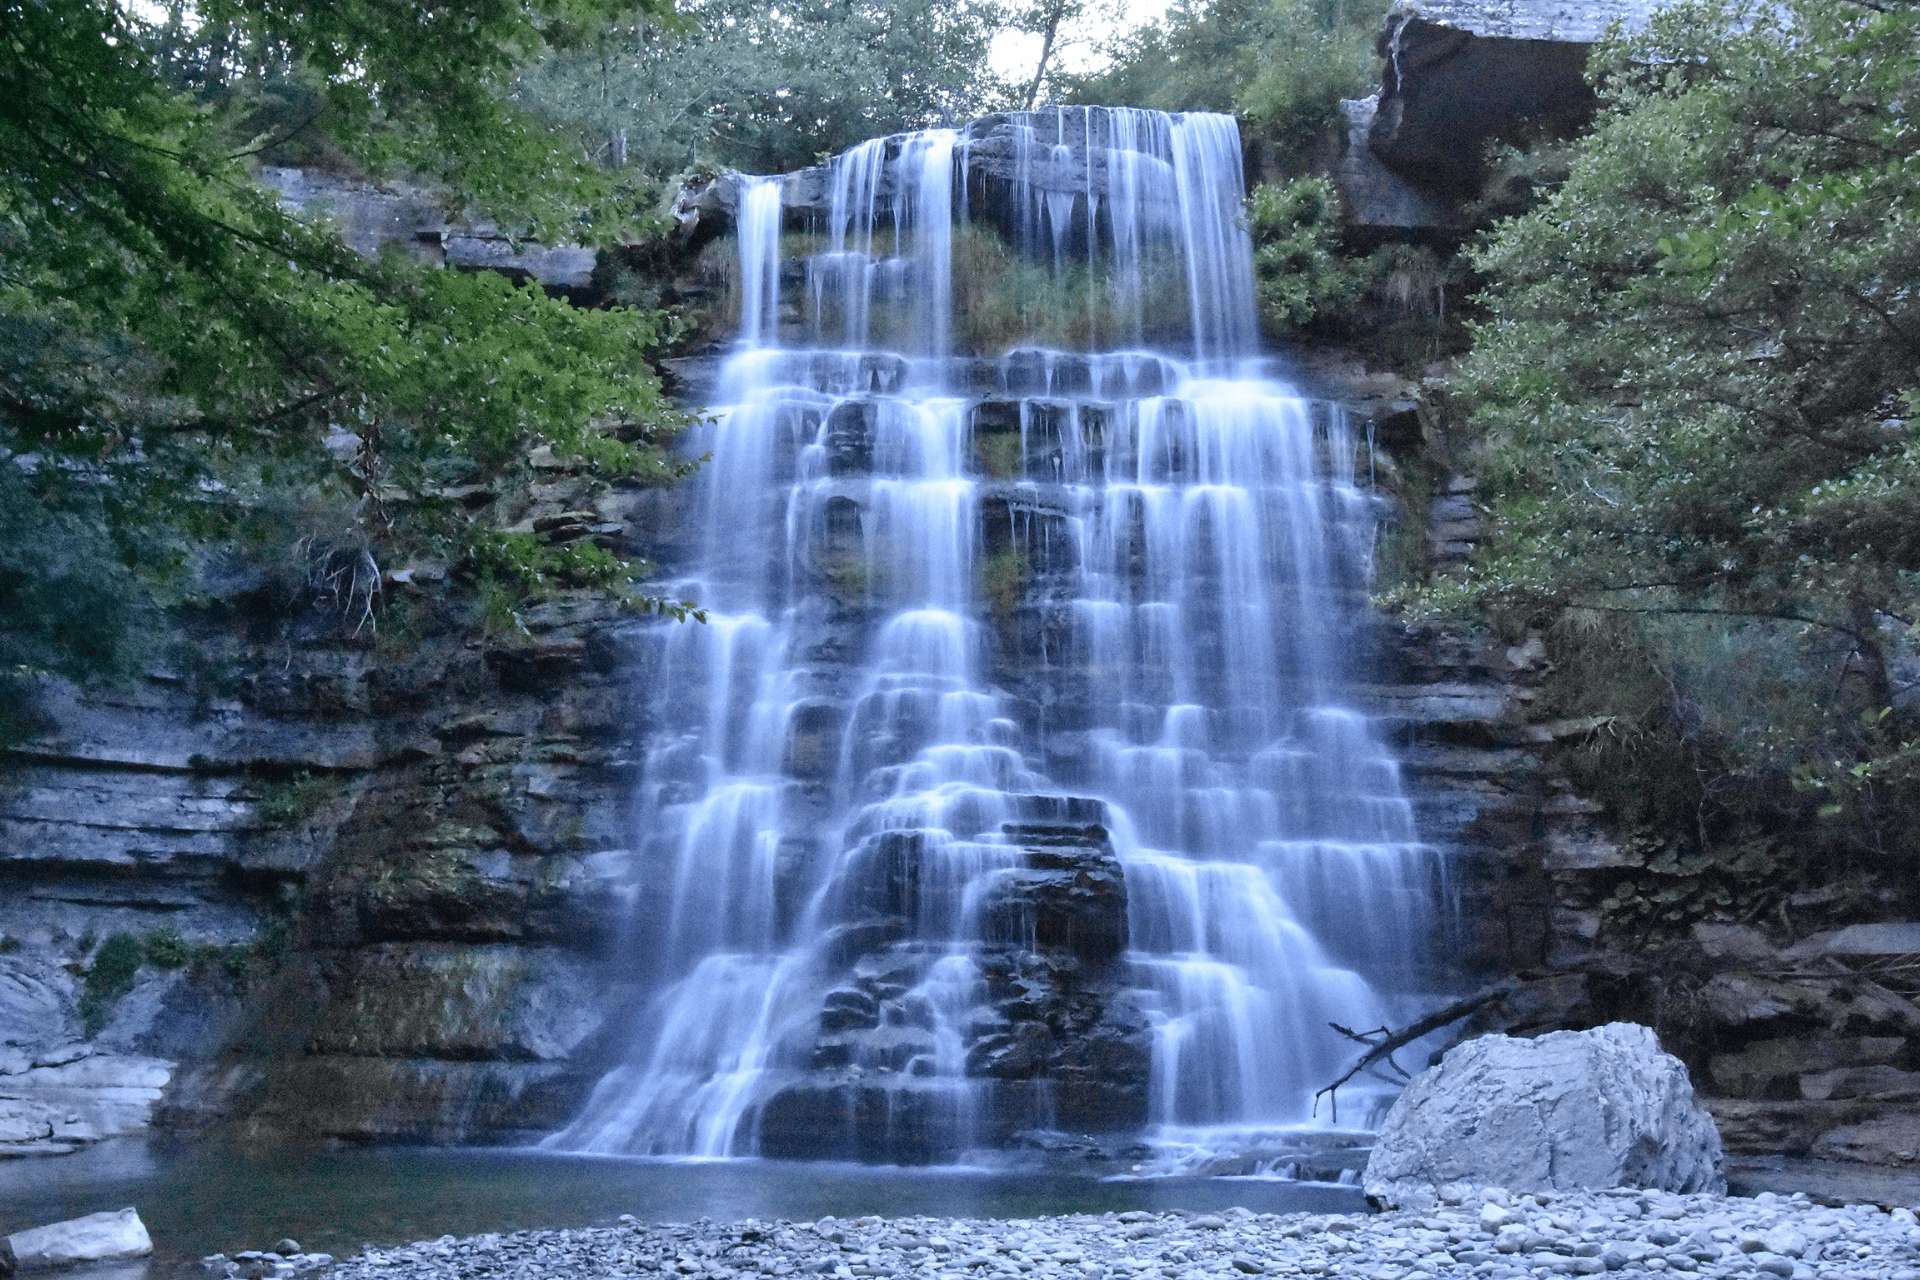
173	344
767	87
1044	19
1697	375
1283	65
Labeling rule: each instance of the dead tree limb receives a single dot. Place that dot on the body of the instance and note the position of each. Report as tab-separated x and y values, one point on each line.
1389	1041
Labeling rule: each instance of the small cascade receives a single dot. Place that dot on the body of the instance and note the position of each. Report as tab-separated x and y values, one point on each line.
1010	784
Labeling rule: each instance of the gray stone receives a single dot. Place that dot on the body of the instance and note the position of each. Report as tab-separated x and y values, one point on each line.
1372	196
1888	938
1571	1110
372	217
98	1237
93	1097
1885	1139
1741	942
1461	72
1566	21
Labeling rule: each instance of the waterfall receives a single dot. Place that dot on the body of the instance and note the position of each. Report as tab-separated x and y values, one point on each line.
986	623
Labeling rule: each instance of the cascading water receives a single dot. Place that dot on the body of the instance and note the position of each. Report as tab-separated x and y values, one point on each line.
986	625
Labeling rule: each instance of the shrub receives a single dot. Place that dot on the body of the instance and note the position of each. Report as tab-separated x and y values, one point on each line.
166	949
1003	578
110	976
281	804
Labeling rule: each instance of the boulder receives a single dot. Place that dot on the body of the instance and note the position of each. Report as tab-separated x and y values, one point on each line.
98	1237
1569	1111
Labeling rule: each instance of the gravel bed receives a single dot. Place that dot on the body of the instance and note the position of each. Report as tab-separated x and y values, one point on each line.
1487	1233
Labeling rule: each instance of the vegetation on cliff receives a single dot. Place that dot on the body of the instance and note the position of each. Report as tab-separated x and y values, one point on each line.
180	357
1694	384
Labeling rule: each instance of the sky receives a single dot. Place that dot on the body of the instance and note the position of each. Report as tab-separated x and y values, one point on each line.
1015	52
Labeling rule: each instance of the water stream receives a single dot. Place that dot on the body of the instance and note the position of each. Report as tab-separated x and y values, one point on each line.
956	590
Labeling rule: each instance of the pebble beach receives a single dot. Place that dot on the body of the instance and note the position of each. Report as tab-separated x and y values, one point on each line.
1486	1233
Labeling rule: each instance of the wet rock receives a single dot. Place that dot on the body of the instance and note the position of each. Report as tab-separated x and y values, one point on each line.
460	1003
98	1237
1071	896
1567	1111
849	437
849	1009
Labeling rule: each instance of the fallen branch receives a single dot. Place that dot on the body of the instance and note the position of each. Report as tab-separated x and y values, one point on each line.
1389	1041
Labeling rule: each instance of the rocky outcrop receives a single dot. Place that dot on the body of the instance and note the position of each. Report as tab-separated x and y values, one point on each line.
344	885
1569	1111
1460	73
372	216
1375	200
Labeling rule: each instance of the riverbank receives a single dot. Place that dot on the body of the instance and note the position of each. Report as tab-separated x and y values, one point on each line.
1490	1234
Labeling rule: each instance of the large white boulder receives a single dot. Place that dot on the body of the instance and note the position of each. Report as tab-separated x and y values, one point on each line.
1568	1111
98	1237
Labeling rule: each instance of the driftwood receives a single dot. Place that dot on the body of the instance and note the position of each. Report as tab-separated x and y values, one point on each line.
1382	1042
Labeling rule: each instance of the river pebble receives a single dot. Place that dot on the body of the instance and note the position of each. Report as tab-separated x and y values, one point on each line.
1475	1233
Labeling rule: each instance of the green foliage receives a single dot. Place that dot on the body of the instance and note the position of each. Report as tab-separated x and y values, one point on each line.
1631	757
1695	381
175	348
10	945
850	576
1003	580
166	949
1300	273
1002	300
1000	454
1697	353
110	976
764	88
1283	65
1661	901
1391	303
293	800
510	568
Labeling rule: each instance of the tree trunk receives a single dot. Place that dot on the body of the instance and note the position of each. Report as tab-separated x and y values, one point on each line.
1046	52
1870	654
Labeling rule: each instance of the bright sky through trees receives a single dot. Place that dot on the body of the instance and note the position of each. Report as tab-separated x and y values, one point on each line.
1082	42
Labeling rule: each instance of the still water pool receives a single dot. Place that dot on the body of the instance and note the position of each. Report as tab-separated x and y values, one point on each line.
205	1198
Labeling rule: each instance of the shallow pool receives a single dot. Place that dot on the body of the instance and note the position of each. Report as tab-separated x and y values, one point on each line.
205	1197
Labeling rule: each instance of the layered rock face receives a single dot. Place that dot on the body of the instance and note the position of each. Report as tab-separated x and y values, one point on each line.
1803	1048
358	887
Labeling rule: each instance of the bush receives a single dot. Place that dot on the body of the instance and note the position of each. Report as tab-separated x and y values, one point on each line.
1003	579
281	804
1301	277
166	949
110	976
